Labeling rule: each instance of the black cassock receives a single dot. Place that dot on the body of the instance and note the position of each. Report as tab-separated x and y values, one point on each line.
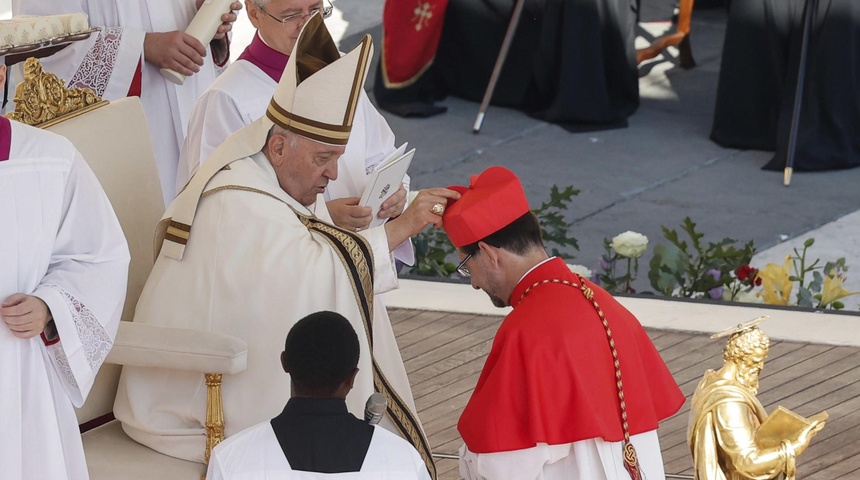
758	78
571	61
320	435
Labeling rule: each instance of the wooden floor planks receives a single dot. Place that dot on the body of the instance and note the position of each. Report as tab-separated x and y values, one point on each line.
444	354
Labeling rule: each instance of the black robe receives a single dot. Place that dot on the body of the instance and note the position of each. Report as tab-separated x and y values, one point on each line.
571	61
758	78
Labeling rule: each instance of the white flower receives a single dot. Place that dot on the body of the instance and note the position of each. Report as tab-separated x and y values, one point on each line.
630	244
749	297
580	270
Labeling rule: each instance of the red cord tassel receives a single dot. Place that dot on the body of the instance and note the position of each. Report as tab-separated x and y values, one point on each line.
631	461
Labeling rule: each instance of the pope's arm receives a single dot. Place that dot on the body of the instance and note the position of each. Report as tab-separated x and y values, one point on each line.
735	426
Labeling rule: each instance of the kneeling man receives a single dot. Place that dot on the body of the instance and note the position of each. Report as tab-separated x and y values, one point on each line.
551	402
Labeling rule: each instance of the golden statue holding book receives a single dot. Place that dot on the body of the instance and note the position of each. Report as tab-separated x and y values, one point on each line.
730	434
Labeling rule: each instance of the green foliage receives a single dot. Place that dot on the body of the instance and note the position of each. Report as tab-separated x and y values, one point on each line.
434	252
811	294
686	267
608	278
554	228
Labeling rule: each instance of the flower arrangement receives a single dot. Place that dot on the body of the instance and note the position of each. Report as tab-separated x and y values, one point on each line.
625	247
685	267
824	290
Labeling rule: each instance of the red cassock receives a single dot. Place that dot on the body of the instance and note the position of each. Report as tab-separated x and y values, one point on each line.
550	376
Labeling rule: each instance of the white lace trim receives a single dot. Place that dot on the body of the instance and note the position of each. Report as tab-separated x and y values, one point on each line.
96	68
95	341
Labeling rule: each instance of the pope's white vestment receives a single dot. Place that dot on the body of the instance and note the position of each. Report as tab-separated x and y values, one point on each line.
256	454
108	60
240	96
59	241
252	268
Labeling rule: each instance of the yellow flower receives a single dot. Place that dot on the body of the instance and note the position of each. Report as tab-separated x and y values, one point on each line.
775	284
833	290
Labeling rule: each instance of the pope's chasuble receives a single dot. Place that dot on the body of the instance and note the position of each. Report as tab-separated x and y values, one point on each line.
59	241
255	262
112	59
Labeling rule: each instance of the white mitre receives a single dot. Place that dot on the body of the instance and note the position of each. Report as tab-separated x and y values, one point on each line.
316	98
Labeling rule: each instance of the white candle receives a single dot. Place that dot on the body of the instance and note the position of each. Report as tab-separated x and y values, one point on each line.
203	27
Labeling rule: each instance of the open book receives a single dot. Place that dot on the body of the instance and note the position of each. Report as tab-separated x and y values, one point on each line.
385	179
783	424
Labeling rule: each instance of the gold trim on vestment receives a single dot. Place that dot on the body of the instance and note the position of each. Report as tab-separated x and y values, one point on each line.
400	414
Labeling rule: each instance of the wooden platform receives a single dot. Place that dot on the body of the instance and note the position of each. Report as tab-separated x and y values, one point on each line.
444	354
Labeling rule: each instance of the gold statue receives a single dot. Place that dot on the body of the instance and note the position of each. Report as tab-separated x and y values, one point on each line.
730	435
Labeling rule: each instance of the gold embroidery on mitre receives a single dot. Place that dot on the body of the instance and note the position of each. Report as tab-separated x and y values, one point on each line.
42	99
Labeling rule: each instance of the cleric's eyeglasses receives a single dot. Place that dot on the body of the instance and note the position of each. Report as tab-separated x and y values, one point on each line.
462	269
326	12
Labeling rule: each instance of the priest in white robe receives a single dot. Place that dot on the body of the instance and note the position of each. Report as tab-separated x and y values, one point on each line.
138	38
62	285
315	433
242	93
247	249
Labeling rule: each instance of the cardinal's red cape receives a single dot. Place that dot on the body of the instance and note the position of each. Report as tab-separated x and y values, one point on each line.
550	376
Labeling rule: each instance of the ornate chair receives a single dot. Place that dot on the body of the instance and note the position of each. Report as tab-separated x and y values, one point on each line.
114	139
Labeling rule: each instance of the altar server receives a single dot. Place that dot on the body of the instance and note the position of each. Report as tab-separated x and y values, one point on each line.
315	433
63	273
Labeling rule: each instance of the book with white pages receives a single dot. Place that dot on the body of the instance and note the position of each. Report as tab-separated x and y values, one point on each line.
384	181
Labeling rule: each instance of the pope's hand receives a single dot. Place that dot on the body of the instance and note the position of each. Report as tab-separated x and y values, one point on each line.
25	315
2	76
346	213
418	215
175	50
393	205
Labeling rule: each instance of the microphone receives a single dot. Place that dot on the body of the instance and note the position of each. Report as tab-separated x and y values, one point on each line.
374	409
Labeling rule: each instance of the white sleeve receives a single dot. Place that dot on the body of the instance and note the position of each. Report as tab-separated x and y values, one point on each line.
85	284
214	118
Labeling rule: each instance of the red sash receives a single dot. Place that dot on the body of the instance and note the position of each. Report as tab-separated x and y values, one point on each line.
411	31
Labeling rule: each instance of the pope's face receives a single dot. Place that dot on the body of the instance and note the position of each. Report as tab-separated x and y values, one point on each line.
304	171
281	36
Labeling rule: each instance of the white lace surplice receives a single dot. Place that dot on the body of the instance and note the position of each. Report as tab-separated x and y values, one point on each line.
60	241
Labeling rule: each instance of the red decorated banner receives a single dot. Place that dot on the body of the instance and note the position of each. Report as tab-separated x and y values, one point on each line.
411	30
